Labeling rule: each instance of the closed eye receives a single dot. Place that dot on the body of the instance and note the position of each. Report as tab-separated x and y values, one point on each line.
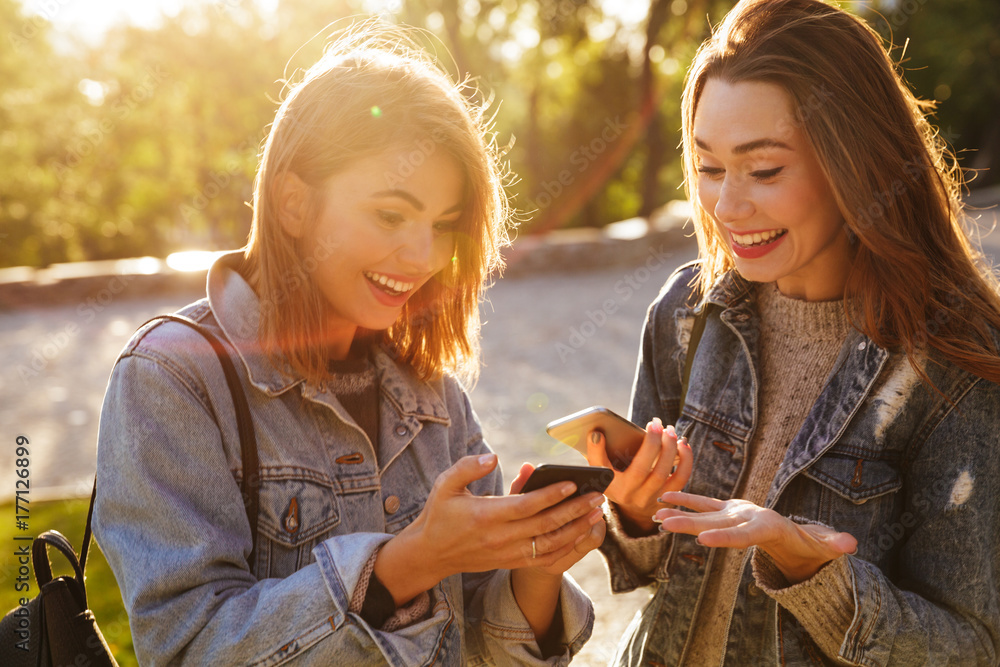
389	218
711	172
765	174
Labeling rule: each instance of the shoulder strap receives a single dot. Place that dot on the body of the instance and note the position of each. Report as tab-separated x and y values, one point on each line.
696	330
250	482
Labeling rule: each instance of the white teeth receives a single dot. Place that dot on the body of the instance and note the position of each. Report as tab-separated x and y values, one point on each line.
390	283
757	238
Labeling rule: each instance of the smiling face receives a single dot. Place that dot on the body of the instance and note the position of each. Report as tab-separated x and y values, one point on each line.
379	237
760	181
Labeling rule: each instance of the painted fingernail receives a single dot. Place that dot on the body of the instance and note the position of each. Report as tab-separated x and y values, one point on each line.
670	431
656	426
595	437
698	540
683	441
486	459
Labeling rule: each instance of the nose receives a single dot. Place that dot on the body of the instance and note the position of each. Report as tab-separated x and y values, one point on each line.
418	249
732	204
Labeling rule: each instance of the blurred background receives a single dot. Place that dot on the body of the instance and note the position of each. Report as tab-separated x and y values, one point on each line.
132	128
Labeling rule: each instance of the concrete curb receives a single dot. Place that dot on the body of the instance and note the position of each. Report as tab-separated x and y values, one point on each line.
95	284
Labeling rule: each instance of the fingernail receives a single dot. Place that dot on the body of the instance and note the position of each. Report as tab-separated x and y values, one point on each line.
656	426
662	529
595	437
567	488
698	540
670	431
595	516
683	441
596	502
580	539
486	459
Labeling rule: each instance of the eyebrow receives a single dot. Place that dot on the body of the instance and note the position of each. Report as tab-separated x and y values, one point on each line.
413	201
749	146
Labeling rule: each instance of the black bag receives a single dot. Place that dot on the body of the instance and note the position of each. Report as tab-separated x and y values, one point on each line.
56	627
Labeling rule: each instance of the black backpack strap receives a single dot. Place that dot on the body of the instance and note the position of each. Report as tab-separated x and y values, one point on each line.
250	482
696	331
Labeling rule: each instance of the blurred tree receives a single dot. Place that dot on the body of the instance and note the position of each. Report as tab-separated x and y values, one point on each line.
147	143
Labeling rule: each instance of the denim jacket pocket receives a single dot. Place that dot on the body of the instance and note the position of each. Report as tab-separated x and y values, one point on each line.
298	509
858	495
855	475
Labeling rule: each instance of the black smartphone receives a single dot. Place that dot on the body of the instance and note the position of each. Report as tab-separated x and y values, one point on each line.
622	438
586	478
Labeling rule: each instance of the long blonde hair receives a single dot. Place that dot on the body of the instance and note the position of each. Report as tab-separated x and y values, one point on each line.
374	90
916	279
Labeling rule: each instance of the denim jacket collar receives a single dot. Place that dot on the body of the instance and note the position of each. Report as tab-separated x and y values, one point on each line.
237	311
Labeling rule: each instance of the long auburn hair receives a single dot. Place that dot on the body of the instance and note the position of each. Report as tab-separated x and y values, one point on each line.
916	280
375	90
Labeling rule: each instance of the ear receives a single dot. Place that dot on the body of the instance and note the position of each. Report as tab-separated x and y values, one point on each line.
291	198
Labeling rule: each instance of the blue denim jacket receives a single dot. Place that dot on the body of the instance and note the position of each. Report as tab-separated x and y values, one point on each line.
171	521
914	477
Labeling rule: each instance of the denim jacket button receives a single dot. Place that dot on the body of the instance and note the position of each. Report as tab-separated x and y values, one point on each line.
391	504
862	345
753	589
401	430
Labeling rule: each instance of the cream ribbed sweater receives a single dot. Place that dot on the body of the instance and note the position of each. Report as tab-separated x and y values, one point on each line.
799	342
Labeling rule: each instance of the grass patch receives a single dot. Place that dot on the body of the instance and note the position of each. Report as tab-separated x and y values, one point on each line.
69	517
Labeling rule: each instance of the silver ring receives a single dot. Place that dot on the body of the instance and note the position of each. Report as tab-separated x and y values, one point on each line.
533	551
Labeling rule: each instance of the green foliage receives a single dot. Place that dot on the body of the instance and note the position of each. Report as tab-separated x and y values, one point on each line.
148	142
69	518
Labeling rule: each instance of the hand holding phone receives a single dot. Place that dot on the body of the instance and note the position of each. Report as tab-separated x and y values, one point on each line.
622	437
587	478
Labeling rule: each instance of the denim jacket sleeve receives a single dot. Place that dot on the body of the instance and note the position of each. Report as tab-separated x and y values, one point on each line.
170	519
943	605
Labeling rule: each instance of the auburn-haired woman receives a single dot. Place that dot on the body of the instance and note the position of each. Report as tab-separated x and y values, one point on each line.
379	208
838	434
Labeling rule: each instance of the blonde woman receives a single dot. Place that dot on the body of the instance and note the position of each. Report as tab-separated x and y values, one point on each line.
835	498
383	535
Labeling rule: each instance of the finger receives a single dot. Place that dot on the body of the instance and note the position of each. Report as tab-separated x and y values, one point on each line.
693	501
524	505
569	534
522	476
597	453
649	450
554	519
693	523
660	475
828	540
465	471
686	462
